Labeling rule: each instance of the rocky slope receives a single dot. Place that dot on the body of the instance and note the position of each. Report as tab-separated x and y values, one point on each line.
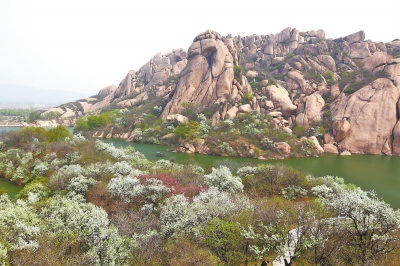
350	85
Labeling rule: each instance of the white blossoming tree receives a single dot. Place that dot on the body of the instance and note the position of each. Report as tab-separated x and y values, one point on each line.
370	222
68	216
19	225
223	179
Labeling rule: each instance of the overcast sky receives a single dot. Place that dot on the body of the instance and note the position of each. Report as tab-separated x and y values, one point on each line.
85	45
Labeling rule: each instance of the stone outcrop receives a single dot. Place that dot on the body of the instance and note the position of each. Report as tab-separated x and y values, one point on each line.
330	148
201	147
312	113
317	146
280	98
372	115
283	148
293	76
208	76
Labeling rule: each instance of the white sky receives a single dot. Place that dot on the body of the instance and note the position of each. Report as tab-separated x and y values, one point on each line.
85	45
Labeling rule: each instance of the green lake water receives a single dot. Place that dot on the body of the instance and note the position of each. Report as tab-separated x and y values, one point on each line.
370	172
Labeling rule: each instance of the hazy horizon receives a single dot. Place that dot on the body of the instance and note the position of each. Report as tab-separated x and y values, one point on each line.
85	46
17	96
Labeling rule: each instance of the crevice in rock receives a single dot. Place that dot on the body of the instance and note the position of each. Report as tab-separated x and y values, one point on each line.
392	132
209	62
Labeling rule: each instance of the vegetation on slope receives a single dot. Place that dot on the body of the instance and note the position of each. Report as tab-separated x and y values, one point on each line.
89	203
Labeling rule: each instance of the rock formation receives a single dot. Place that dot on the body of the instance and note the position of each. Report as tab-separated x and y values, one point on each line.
208	76
300	78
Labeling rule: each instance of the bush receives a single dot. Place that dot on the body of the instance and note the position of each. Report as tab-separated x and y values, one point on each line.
95	121
81	124
58	133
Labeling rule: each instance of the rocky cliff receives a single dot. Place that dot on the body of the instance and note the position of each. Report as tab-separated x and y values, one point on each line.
350	85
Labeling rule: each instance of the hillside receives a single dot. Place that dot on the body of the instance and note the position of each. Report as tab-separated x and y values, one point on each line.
289	90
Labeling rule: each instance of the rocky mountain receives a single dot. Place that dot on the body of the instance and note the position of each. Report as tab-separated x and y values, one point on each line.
302	79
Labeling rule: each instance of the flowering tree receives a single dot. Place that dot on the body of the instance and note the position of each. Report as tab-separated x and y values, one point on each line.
371	223
223	179
70	216
19	225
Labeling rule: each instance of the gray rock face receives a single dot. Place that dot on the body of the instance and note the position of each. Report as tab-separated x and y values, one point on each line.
328	61
107	90
312	113
208	76
355	37
376	60
280	98
372	114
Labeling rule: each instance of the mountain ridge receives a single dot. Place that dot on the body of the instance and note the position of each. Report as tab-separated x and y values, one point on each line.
302	78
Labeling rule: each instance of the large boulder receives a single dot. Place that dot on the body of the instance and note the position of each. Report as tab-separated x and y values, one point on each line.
283	148
359	51
207	77
299	78
328	61
376	60
312	113
179	119
330	148
246	108
341	129
201	147
231	113
280	98
355	37
127	85
393	69
372	114
317	146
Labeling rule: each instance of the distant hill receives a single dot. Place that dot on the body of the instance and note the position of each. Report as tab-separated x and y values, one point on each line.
18	96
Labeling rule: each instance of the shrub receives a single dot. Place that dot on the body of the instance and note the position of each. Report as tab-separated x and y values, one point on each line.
247	98
96	121
57	134
223	179
81	124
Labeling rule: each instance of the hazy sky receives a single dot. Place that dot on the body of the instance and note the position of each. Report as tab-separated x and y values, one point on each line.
85	45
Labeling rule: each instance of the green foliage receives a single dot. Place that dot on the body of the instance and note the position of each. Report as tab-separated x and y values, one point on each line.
58	133
52	115
187	130
359	78
96	121
34	116
81	124
247	98
300	131
330	76
15	112
191	110
237	70
313	75
23	136
38	186
181	130
224	239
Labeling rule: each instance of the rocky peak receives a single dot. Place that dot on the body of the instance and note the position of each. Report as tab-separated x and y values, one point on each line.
208	76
